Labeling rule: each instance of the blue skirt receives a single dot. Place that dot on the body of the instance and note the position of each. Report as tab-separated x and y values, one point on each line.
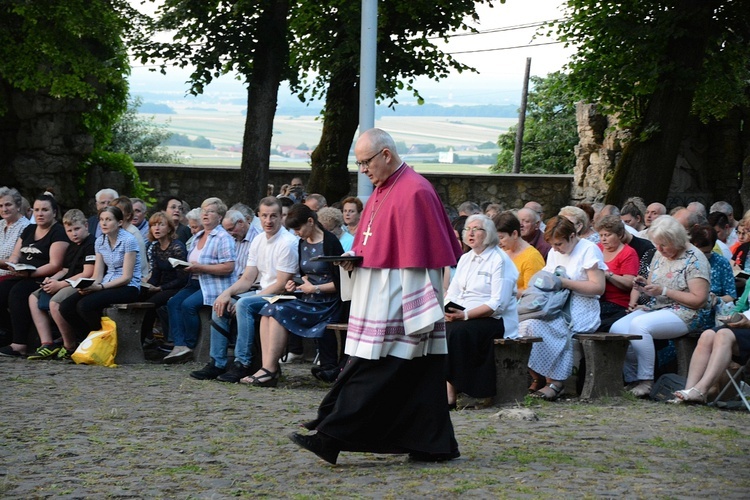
306	319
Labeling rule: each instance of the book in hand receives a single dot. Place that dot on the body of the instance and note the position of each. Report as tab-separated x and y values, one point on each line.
275	298
454	306
81	282
740	274
178	264
21	267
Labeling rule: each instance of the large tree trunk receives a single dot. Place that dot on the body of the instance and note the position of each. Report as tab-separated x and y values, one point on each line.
330	175
726	153
269	66
646	166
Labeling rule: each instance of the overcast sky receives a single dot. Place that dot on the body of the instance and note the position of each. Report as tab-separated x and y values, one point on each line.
501	65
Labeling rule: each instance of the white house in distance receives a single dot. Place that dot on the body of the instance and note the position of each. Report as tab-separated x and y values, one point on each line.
446	156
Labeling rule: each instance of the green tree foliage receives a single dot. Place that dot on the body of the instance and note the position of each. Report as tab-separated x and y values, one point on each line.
140	138
623	53
550	132
217	37
65	59
656	63
326	54
68	50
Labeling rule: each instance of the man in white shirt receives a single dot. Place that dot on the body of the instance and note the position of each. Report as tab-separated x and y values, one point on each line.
272	261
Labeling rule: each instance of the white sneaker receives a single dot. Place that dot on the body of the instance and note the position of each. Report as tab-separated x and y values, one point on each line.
290	357
179	354
643	389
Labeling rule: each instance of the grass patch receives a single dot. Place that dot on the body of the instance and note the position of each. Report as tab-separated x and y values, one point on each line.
534	454
668	444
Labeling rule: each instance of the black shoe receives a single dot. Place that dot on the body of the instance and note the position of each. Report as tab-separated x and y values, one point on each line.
234	373
315	444
418	456
9	352
328	375
208	372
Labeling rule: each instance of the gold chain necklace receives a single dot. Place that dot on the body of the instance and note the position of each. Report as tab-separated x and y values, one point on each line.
368	233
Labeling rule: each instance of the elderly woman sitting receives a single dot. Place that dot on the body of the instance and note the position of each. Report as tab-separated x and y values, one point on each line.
485	286
678	285
333	221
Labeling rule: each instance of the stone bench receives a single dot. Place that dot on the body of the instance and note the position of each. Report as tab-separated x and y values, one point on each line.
604	355
129	321
684	347
512	368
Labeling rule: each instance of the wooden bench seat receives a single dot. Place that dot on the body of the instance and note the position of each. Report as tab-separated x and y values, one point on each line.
512	368
604	355
684	347
129	321
337	329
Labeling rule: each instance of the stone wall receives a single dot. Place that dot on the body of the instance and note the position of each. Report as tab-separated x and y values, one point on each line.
42	141
195	183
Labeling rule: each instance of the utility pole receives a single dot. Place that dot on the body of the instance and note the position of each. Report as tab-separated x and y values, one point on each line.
521	120
367	70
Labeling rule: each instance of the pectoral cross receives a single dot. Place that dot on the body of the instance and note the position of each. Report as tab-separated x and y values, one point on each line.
367	235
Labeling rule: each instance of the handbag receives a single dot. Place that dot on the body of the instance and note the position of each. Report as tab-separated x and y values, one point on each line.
99	347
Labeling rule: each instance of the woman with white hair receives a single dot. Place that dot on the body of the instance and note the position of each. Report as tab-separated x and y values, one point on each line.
485	287
333	221
678	286
581	221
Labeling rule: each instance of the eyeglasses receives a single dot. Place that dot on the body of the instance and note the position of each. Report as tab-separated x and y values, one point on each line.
366	163
472	230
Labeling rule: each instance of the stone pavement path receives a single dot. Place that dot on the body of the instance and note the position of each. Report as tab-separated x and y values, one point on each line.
150	431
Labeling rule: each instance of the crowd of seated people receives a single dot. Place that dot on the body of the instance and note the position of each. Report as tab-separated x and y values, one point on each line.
630	270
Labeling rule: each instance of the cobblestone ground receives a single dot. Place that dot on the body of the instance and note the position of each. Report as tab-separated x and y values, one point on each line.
150	431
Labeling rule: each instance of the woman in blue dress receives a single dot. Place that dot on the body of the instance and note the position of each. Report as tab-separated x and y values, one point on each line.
318	300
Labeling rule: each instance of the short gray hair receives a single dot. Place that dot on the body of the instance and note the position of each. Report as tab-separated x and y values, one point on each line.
723	207
194	214
14	195
106	191
329	216
667	229
490	233
529	211
234	216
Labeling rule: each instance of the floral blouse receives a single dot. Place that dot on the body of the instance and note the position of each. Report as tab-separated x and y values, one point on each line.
675	274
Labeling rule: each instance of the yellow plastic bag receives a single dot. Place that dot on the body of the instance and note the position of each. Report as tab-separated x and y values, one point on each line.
100	347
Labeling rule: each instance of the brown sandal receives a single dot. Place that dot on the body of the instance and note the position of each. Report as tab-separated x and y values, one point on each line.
536	384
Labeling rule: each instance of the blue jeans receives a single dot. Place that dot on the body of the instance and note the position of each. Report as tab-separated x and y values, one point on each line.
184	322
247	309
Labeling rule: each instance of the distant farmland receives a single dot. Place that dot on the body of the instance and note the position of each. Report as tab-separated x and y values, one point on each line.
225	129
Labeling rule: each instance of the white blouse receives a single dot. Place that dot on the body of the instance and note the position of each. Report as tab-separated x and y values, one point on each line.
489	279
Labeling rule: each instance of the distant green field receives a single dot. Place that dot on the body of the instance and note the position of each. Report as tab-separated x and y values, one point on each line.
225	129
196	156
